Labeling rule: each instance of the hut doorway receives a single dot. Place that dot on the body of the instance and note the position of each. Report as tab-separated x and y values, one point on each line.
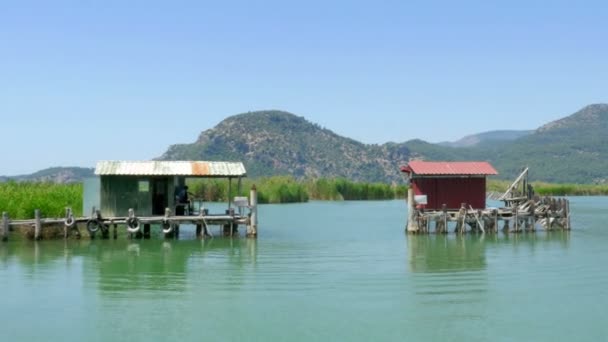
160	200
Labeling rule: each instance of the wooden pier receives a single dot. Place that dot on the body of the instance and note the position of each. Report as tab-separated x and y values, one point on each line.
523	211
549	213
243	214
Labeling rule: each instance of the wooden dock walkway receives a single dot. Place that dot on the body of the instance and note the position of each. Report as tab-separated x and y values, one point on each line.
140	227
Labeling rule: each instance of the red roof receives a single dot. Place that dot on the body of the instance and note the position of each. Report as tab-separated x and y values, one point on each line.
449	168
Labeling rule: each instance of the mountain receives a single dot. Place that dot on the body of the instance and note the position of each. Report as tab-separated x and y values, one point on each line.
276	142
491	137
54	174
572	149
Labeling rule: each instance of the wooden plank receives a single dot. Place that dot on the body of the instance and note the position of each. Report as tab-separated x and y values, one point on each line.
514	185
5	226
483	231
37	225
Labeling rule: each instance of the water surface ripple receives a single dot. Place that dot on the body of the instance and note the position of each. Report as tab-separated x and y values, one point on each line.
320	271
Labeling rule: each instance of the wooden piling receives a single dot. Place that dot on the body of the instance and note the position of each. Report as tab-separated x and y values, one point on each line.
567	213
37	225
412	223
5	226
252	228
146	234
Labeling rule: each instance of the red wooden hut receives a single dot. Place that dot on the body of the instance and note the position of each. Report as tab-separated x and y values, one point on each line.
450	183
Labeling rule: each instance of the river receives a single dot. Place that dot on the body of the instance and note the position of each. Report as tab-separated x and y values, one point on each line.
319	271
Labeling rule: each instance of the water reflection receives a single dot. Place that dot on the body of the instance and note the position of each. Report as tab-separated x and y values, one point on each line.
458	253
445	253
167	266
124	266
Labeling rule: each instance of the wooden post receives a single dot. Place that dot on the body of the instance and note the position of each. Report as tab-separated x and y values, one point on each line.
115	231
444	209
68	211
252	228
37	225
5	226
516	215
229	192
146	234
412	223
567	212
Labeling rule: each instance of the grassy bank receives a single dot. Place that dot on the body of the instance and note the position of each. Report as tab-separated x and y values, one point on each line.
21	199
550	189
284	189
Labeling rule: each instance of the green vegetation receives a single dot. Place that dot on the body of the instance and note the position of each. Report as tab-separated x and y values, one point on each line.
285	189
278	189
342	189
21	199
552	189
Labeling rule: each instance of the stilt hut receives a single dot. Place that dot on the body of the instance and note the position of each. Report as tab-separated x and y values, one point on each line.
149	187
449	183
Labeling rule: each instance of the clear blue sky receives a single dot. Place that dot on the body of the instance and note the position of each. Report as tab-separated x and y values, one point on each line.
82	80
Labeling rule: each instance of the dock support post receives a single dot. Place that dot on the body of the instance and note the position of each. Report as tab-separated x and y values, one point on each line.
516	215
37	225
5	226
252	228
567	213
146	231
412	223
68	213
115	232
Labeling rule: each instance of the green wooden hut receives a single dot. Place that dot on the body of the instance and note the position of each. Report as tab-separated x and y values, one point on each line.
150	186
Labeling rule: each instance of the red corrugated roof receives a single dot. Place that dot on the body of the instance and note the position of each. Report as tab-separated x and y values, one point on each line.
449	168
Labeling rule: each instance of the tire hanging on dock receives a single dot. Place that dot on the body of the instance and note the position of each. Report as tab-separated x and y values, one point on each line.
133	225
93	226
70	222
167	227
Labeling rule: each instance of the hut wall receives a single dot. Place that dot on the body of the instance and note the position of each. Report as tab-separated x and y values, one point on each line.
91	195
119	193
452	191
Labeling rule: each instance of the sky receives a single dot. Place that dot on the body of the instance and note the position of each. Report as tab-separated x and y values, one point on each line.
82	81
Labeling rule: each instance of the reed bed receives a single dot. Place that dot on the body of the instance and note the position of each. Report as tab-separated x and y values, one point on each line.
21	199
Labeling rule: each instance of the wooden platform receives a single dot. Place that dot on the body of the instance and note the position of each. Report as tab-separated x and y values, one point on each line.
136	227
549	213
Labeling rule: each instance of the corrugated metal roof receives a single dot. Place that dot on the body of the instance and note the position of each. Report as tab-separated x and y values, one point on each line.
419	167
171	168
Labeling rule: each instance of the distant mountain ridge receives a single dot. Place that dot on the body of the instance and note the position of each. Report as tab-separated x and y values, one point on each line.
572	149
54	175
275	142
487	138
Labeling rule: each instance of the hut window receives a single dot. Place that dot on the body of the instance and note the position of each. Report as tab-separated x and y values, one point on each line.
144	186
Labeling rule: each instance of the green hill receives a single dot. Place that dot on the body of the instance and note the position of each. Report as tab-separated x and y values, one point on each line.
572	149
54	175
275	142
491	137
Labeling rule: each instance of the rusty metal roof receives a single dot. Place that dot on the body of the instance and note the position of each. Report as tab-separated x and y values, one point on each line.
419	167
171	168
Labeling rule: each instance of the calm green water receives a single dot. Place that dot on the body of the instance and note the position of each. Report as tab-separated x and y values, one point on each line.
318	272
